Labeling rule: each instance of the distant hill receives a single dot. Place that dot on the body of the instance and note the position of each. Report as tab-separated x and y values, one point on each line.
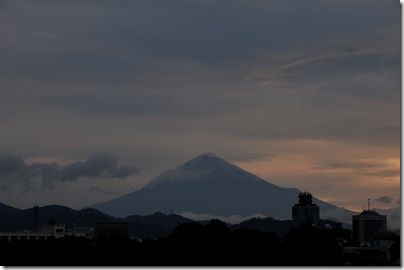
155	225
8	210
280	227
393	217
210	185
24	219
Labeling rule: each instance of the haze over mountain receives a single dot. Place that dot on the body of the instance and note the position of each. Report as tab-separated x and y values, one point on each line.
210	185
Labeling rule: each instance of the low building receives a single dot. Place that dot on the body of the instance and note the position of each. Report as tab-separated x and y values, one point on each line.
86	232
44	232
56	230
24	235
111	231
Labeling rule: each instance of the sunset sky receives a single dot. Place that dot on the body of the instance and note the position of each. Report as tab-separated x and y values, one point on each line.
304	94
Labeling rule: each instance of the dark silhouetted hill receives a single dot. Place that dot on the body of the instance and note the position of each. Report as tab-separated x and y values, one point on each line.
155	225
24	219
8	210
279	227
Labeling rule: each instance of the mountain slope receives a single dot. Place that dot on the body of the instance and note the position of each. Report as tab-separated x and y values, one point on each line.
8	210
393	217
208	184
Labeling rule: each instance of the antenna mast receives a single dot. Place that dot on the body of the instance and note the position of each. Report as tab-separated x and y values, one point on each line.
369	204
36	214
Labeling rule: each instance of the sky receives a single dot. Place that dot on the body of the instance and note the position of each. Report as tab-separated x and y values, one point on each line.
98	97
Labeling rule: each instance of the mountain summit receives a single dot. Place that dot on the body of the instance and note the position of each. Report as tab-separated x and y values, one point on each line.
208	184
207	162
207	168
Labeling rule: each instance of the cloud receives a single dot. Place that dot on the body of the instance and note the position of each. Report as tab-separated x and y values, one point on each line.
355	164
341	65
14	169
371	167
385	199
97	165
159	83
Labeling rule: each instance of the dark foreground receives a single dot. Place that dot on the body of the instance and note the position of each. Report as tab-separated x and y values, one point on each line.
194	244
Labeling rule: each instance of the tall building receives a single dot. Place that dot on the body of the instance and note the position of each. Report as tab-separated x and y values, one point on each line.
305	212
367	225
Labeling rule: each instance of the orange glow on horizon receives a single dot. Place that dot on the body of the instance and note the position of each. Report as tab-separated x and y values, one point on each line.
331	168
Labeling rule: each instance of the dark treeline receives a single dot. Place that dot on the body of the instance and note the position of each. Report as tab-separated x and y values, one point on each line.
191	244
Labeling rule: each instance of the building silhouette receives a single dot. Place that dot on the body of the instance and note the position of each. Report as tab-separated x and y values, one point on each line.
86	232
367	225
305	213
111	230
42	232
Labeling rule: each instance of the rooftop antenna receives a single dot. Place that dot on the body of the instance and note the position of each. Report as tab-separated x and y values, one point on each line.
368	204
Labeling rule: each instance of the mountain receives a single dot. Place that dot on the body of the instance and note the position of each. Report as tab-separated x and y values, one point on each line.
24	219
6	210
210	185
167	221
155	225
393	217
279	227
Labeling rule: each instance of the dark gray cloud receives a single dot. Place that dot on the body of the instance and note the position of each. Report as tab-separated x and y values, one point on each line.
135	37
385	199
97	165
160	82
14	170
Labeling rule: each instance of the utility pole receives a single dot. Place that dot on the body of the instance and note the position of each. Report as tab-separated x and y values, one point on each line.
36	213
